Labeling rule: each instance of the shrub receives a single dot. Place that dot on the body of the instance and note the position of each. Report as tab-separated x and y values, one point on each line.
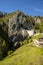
10	52
1	55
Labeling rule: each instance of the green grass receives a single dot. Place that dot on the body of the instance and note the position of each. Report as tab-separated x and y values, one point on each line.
25	55
38	36
28	54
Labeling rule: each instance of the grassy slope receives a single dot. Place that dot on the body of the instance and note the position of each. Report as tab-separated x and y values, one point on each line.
38	36
25	55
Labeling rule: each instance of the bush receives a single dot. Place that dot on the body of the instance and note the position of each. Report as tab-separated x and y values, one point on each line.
3	48
26	41
10	52
1	55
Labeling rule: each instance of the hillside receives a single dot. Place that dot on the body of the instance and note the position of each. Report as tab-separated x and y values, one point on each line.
17	32
25	55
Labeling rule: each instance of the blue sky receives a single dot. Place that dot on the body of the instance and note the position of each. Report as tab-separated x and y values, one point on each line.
30	7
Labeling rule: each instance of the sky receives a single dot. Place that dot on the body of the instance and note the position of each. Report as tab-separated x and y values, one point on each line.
30	7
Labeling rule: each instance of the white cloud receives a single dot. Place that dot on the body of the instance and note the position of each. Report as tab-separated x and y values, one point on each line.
38	10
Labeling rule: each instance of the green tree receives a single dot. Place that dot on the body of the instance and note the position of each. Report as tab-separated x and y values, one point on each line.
41	27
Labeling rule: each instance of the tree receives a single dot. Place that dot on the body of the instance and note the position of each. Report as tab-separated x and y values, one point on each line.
3	48
37	26
41	27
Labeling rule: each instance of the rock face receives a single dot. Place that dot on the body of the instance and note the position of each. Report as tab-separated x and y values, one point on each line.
17	28
37	20
39	42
